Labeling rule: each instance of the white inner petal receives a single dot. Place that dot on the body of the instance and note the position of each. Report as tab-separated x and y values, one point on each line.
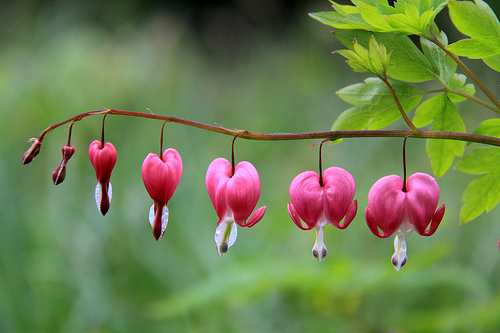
164	218
399	257
98	195
225	236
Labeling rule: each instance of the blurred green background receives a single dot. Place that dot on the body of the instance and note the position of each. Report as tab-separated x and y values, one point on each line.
264	66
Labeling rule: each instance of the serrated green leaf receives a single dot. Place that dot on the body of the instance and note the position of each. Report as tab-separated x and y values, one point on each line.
490	127
475	20
407	62
475	48
483	193
375	106
443	113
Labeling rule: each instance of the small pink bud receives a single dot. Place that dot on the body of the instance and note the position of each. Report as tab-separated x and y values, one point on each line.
33	150
234	197
103	159
59	173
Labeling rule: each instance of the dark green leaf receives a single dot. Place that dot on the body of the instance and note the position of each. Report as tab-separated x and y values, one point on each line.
407	62
443	66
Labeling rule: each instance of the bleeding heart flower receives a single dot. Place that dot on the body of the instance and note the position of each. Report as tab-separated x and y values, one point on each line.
234	197
103	159
161	177
59	173
394	208
321	201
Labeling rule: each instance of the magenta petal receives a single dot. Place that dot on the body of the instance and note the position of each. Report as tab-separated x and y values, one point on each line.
103	159
306	196
218	174
351	213
436	220
243	191
422	200
386	202
256	217
296	218
339	188
161	177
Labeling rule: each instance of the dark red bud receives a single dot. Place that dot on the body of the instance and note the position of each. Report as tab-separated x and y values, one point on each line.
31	153
59	173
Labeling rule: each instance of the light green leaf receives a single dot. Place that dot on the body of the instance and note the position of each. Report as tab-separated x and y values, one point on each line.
482	160
475	20
443	113
407	62
475	48
457	82
483	193
490	127
374	105
493	62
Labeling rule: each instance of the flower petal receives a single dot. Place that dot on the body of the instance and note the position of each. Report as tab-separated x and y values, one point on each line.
339	188
218	174
306	196
243	191
422	193
158	218
386	203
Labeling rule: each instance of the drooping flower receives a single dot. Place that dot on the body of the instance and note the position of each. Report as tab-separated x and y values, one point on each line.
161	177
234	197
397	209
59	173
103	159
318	202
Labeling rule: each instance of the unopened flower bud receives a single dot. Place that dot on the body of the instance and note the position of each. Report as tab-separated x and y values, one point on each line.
31	153
59	173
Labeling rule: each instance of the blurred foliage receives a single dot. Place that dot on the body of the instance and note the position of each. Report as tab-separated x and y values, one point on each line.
64	268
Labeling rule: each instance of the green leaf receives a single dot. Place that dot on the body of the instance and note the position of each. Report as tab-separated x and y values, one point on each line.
479	22
483	193
475	20
475	48
407	62
374	105
443	113
490	127
442	66
493	62
457	82
408	17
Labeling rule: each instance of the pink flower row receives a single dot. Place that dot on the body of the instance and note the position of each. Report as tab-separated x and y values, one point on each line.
315	200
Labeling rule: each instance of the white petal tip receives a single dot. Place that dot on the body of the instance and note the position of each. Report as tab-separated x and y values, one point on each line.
225	236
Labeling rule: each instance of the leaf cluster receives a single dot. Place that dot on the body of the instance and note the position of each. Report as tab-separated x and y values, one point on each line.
380	39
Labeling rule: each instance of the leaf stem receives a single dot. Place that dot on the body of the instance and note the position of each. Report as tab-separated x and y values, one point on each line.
332	135
398	104
468	96
466	70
